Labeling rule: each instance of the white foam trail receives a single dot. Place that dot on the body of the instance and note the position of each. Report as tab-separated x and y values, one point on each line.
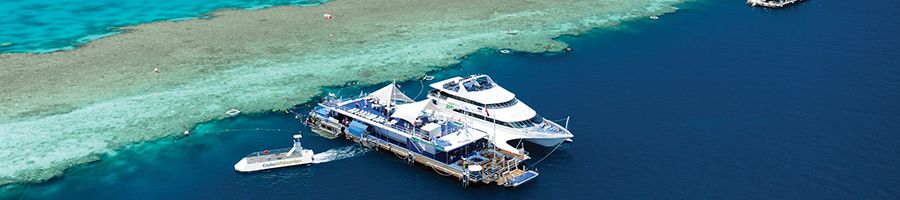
339	153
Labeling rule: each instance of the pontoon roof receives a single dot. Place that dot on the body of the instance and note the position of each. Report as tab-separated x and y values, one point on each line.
411	111
388	94
461	138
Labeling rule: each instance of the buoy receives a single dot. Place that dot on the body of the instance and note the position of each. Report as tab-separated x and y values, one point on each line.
328	16
266	152
186	132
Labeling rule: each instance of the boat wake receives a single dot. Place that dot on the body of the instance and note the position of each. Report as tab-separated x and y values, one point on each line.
339	153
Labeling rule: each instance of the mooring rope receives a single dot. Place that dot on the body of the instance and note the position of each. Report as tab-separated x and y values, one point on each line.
399	156
421	88
251	129
548	154
439	172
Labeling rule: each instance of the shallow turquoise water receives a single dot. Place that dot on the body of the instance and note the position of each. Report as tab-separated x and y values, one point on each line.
49	25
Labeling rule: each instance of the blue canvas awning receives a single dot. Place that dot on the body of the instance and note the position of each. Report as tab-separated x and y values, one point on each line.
357	128
322	111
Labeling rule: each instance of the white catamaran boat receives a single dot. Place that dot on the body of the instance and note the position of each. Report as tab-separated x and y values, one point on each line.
263	160
489	108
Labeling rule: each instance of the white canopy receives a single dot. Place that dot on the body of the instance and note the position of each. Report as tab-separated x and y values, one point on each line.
389	93
411	111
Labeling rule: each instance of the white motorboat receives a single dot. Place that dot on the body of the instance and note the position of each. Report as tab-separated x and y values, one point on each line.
266	159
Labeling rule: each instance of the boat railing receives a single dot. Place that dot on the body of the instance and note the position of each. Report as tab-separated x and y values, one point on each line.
552	128
335	101
408	130
271	152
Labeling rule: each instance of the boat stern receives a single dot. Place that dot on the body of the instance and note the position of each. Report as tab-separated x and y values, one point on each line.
519	177
307	156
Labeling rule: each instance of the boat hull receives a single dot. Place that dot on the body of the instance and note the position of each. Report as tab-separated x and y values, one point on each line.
245	166
547	142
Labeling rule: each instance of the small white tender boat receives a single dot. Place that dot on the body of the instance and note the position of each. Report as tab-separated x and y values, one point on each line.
232	112
263	160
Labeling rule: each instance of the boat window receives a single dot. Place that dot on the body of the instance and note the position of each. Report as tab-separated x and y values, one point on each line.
478	84
520	124
503	105
485	82
444	94
452	86
469	86
536	120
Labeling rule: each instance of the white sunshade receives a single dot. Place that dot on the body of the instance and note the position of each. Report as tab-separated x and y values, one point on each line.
411	111
389	93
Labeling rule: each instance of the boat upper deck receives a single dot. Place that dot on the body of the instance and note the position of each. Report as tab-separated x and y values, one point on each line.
451	135
273	155
480	89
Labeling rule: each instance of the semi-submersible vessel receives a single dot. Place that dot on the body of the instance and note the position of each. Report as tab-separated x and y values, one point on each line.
467	127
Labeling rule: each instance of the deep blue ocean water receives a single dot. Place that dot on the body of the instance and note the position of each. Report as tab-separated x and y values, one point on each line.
50	25
716	101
